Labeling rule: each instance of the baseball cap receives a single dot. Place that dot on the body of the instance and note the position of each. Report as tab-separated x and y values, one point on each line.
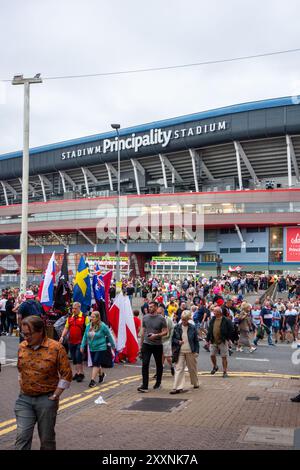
29	294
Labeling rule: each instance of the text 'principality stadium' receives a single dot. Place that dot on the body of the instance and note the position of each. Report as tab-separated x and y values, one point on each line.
221	182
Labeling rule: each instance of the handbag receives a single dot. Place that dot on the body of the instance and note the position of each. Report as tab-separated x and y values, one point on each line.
260	333
107	360
267	329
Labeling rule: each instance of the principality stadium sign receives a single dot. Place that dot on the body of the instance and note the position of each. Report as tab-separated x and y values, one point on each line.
153	137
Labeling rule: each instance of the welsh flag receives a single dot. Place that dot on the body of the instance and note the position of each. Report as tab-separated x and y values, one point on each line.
120	318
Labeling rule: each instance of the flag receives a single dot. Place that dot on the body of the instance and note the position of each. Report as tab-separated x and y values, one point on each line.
101	285
82	286
120	318
107	283
234	269
46	289
98	286
64	273
62	291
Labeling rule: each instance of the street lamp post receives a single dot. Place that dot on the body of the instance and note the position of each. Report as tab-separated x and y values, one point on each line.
20	80
118	275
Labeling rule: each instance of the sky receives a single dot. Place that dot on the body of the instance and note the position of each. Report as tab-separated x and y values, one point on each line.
72	37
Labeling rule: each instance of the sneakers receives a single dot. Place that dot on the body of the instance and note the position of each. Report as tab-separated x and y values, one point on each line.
101	378
80	377
296	399
92	384
252	349
215	369
225	375
156	386
75	377
172	371
174	392
239	349
143	390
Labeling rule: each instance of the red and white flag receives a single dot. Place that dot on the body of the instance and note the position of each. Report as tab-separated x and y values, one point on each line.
120	318
233	269
46	288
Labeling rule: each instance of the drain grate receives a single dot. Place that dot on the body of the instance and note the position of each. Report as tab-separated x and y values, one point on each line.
273	436
252	398
160	405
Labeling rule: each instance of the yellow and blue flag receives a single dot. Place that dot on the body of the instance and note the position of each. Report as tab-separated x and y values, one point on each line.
82	286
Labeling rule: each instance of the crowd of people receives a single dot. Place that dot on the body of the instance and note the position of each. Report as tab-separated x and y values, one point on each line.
175	317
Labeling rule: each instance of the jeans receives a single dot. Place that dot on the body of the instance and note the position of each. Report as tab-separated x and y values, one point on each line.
75	353
270	339
4	327
147	351
31	410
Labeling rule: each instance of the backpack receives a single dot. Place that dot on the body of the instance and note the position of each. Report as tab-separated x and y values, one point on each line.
33	308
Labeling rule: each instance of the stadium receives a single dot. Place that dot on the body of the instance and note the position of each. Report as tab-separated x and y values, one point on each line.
236	167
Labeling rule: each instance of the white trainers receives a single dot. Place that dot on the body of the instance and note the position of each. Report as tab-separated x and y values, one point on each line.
252	349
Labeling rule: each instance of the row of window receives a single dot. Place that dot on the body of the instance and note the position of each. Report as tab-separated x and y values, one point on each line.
225	231
108	210
261	249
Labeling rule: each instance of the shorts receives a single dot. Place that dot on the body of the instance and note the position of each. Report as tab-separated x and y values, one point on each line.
167	349
97	358
221	349
76	354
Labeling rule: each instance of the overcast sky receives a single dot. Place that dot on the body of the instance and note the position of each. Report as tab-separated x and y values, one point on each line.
69	37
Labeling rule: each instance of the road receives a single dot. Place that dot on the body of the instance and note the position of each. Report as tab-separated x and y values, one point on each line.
266	358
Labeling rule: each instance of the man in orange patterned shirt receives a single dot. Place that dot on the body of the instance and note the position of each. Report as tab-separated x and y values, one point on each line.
44	373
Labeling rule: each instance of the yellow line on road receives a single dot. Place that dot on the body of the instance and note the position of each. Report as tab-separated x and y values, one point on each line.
6	423
7	430
70	398
87	397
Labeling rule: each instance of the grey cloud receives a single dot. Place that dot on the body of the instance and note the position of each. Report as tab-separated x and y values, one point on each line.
72	37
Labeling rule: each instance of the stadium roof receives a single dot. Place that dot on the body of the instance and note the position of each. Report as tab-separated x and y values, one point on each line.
214	113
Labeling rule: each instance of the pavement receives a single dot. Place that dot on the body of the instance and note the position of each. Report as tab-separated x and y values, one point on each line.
248	410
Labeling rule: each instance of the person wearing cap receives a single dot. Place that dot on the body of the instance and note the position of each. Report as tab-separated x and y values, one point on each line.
27	308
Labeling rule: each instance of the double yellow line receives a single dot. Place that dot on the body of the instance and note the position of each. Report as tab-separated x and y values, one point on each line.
10	424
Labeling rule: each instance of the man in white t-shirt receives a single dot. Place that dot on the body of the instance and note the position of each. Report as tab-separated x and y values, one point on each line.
290	320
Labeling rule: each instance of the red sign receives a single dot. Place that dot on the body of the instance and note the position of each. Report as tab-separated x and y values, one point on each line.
293	244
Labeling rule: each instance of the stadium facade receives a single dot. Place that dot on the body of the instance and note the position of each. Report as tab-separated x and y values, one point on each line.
234	169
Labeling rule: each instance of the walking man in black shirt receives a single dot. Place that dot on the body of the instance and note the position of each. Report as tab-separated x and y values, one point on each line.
154	328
